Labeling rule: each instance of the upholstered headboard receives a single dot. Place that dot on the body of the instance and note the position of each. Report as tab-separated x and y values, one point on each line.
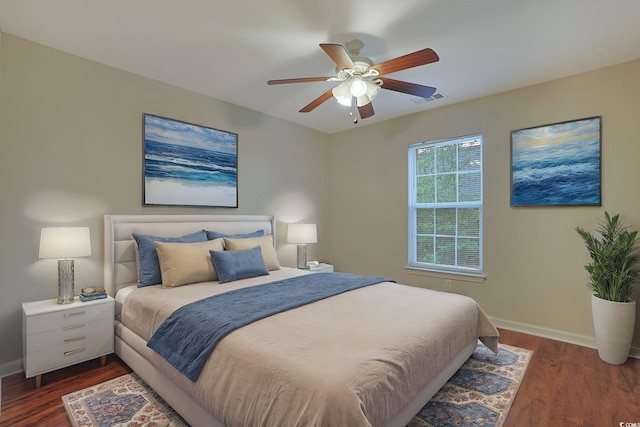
119	250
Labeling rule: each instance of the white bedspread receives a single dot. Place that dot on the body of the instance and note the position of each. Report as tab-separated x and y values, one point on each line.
355	359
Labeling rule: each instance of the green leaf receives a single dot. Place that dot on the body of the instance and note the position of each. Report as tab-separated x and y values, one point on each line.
614	258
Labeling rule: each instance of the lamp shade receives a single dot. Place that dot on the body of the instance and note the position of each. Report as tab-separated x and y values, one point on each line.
358	86
302	233
65	242
342	93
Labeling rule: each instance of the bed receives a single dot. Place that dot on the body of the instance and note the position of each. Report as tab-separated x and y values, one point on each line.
372	356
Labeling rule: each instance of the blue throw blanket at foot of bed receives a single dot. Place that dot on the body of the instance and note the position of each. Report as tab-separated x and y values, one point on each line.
189	335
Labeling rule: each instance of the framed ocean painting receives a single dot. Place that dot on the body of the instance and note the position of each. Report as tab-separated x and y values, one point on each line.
189	165
557	164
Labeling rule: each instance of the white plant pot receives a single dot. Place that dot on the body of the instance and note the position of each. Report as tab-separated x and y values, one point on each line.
613	323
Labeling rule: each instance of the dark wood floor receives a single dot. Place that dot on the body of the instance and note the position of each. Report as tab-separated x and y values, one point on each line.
565	385
568	385
24	405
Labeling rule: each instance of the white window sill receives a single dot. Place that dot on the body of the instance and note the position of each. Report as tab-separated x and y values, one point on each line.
444	274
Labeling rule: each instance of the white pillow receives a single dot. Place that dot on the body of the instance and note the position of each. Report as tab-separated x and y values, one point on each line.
184	263
266	246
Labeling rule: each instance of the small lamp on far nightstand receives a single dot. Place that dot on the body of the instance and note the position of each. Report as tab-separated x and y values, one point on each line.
302	234
65	243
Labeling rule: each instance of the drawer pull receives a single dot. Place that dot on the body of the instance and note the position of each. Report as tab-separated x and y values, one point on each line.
80	338
79	325
70	352
74	313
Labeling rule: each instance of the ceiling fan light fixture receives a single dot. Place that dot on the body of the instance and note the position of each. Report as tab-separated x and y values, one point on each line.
363	100
358	86
372	92
342	93
373	88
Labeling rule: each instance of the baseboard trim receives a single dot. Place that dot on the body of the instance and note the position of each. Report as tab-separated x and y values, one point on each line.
10	368
555	334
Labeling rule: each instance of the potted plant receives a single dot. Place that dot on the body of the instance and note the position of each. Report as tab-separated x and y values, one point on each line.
612	275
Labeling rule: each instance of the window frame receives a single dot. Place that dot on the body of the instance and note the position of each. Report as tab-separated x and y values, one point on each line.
413	206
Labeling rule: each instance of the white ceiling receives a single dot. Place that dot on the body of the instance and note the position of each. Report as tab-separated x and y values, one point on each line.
229	49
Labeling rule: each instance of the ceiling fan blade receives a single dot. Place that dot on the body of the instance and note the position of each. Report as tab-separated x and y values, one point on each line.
317	102
299	80
339	54
406	87
415	59
366	111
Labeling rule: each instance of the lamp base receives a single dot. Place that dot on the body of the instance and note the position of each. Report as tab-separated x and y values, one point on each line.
65	281
302	256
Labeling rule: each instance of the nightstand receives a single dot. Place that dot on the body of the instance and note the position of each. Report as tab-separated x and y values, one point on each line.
322	268
58	335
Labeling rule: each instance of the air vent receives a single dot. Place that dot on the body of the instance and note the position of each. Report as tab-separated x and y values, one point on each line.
434	97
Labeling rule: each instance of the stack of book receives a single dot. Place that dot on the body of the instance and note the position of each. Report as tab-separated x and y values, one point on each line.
89	294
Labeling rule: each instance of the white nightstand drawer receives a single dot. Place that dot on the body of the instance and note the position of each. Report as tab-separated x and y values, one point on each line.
322	268
67	354
58	335
68	334
77	313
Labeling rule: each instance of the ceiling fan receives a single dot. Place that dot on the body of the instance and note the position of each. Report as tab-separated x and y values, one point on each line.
361	80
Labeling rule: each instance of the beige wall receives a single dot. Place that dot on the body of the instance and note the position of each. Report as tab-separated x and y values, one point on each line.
533	258
71	151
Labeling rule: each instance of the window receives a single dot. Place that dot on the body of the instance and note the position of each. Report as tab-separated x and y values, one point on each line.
445	205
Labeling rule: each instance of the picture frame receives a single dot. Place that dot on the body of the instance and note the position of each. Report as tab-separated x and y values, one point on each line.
188	165
558	164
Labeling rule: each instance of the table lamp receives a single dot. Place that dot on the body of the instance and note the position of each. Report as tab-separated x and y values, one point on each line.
302	234
65	243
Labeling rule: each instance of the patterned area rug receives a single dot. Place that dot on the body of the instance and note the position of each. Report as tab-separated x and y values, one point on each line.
479	394
123	401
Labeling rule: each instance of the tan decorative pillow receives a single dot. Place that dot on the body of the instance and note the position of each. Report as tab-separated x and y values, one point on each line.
266	246
184	263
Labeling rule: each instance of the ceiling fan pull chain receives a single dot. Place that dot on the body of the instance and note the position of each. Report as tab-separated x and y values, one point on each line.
354	110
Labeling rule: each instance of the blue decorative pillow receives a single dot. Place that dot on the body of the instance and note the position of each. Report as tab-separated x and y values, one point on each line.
236	265
212	235
149	263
